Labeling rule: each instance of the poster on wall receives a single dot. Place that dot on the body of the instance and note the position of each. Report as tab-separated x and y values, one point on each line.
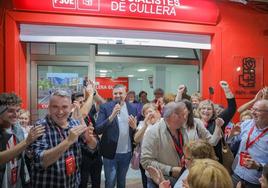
104	85
247	76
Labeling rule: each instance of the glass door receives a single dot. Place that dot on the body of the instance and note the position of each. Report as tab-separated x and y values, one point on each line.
53	77
48	76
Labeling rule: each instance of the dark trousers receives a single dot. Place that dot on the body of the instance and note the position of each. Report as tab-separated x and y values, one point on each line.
143	177
91	166
245	184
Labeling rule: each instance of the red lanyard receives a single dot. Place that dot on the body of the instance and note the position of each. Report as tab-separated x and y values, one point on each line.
178	143
60	133
248	143
15	143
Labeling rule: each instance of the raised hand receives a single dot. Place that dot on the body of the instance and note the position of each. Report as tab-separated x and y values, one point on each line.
132	121
75	132
181	89
77	104
148	118
219	122
89	134
235	130
224	84
115	112
265	93
35	132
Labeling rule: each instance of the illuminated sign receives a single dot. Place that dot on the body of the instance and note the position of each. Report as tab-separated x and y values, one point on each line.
191	11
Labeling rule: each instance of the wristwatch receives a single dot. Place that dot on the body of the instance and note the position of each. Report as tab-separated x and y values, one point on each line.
260	168
170	172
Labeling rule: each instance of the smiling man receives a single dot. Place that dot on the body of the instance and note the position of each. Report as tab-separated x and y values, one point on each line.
117	123
57	154
253	149
12	142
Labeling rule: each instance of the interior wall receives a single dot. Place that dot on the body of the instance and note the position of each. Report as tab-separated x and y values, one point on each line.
174	76
243	32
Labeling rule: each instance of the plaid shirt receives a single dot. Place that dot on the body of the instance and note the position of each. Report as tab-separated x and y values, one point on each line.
55	175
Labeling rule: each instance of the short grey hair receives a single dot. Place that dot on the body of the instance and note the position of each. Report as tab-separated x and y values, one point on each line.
61	93
119	86
171	107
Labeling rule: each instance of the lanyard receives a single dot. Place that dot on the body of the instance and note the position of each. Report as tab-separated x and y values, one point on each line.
178	143
60	133
250	143
14	144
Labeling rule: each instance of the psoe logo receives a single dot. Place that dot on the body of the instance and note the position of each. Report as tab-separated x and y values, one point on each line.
89	5
92	5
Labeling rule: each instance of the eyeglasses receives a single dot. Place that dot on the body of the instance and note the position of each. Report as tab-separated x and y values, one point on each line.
258	110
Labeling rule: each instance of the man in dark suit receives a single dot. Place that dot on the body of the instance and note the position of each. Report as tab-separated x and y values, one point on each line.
117	123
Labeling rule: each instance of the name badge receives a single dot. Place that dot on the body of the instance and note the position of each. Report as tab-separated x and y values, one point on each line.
70	165
244	155
14	175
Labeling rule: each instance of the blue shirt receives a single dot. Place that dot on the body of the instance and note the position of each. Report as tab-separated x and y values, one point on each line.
258	151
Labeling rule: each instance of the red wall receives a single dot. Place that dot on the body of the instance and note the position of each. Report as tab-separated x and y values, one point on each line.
242	34
4	5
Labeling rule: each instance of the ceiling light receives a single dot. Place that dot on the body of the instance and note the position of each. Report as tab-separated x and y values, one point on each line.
171	56
140	79
103	53
103	71
142	70
130	76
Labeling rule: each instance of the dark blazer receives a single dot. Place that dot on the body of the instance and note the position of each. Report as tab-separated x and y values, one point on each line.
110	130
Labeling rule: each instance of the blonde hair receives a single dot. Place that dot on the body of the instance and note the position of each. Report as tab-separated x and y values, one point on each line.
208	173
169	97
23	111
200	149
147	106
196	95
246	113
206	102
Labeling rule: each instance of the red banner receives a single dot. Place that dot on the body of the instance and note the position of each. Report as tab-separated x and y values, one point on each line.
190	11
105	85
247	76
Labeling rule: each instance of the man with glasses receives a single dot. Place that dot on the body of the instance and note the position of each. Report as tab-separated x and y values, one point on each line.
12	142
253	150
57	154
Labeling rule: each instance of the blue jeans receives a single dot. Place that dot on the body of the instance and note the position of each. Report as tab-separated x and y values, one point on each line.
236	179
150	183
115	170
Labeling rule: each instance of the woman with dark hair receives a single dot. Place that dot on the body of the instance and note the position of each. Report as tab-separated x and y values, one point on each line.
195	128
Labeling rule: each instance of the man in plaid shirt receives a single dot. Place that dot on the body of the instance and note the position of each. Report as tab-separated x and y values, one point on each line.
57	154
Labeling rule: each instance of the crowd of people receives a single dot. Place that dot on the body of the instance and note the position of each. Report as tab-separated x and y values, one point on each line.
175	140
